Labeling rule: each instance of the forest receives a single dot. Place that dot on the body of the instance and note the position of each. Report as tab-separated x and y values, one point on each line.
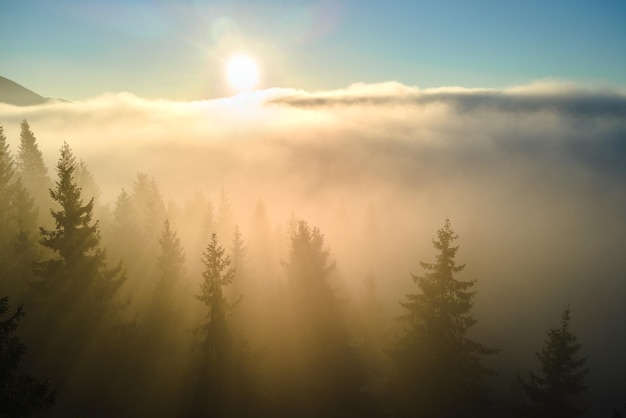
132	303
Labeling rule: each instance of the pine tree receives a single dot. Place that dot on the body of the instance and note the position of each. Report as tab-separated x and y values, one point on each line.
81	263
20	394
217	274
224	220
24	250
75	289
438	362
215	368
556	392
330	377
32	169
123	237
209	225
239	256
90	189
148	205
260	243
170	267
7	174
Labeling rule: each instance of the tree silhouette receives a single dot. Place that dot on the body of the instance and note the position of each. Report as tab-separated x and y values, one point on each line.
75	290
438	362
20	394
213	390
7	174
31	166
170	266
24	250
556	392
239	256
217	274
329	377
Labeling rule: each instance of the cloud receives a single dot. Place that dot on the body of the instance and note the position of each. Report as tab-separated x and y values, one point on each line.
565	98
384	132
387	133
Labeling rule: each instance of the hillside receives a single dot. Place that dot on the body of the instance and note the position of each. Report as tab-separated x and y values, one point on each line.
18	95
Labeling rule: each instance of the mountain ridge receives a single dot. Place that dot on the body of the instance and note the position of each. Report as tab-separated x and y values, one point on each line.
15	94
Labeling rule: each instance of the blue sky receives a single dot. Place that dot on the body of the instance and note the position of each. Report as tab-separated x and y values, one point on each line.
177	49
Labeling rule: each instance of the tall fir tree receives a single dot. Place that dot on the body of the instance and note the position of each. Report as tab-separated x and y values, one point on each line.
90	189
261	243
441	373
149	205
75	289
224	220
557	391
21	395
239	257
159	355
217	274
329	379
32	168
80	262
7	174
213	392
171	270
24	249
123	236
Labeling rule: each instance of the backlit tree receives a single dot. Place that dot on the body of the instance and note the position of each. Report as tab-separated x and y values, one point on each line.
441	370
556	392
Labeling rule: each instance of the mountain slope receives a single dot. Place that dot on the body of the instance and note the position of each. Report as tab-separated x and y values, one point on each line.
15	94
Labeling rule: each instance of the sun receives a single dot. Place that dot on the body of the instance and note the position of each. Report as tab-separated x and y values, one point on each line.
242	73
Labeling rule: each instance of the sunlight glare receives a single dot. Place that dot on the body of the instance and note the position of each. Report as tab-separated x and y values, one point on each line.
243	73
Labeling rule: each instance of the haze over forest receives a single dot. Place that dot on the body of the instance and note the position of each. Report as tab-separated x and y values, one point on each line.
532	179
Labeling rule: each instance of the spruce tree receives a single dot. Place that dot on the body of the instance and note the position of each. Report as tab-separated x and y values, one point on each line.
217	274
7	174
171	269
148	205
556	391
25	249
329	379
224	221
75	289
123	238
215	368
31	166
440	368
239	256
21	395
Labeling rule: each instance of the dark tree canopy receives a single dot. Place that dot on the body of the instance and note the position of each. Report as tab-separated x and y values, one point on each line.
20	394
437	360
557	391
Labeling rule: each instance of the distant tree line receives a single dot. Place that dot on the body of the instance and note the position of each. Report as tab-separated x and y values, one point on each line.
104	312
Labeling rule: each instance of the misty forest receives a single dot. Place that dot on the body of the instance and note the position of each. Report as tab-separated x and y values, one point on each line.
314	263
